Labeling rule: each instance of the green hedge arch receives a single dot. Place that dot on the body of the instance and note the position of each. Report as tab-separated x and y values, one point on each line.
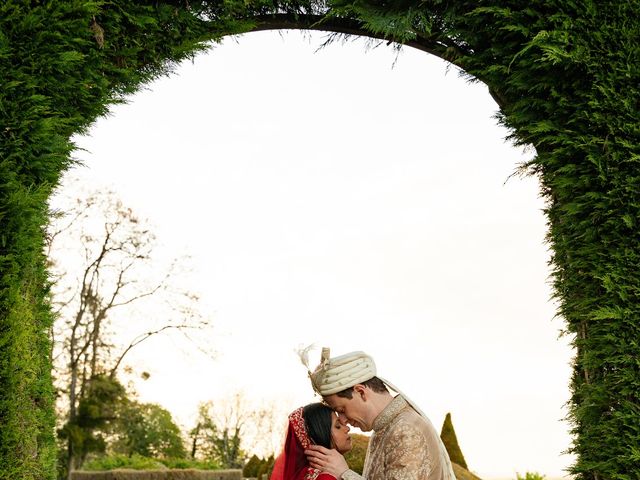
563	73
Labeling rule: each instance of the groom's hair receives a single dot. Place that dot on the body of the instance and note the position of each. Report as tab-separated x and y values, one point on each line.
317	419
374	383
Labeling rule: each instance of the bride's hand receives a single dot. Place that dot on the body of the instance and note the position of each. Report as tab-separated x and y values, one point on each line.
325	460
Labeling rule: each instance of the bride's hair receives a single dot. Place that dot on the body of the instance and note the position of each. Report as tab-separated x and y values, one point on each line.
318	420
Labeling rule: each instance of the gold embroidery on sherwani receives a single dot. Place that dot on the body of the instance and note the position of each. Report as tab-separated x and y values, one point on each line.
403	447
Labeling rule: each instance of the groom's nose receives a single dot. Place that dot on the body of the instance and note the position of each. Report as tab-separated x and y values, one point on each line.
343	418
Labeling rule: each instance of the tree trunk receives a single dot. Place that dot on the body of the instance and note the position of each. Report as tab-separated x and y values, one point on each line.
194	443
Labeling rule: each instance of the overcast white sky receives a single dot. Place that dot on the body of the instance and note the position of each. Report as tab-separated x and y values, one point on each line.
332	198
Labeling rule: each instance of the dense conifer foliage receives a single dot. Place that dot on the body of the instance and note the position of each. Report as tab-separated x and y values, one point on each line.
450	440
563	73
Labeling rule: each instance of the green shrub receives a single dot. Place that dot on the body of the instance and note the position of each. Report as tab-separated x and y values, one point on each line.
188	474
250	468
190	463
355	456
265	468
530	476
112	462
139	462
148	430
462	473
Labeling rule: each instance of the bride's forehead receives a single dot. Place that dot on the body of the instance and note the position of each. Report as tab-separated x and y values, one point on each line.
334	419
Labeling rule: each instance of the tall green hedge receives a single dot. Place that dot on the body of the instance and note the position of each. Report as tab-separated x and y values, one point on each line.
57	77
565	77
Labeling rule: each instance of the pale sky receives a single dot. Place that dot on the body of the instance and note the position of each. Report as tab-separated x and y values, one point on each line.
335	198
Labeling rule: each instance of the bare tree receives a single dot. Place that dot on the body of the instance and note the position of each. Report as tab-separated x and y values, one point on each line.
218	433
228	429
266	429
101	265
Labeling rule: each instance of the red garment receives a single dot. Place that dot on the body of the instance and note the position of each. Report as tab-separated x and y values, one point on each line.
292	463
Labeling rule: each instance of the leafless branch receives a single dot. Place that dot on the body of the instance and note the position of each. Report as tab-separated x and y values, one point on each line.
141	338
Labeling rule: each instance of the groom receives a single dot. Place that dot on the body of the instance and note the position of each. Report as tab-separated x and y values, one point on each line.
404	445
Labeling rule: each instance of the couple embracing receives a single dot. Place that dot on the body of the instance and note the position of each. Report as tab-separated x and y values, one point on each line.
404	444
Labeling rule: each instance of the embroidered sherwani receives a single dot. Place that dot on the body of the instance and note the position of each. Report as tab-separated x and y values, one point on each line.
404	446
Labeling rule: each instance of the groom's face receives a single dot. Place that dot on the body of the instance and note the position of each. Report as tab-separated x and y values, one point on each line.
351	410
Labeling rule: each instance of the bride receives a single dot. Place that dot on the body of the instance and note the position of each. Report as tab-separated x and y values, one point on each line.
314	424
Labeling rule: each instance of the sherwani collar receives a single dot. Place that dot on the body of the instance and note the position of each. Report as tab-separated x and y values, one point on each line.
390	412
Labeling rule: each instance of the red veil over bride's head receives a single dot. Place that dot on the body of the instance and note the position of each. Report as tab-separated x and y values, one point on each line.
292	463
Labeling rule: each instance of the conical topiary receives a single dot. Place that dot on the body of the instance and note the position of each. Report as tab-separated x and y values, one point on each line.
251	467
448	436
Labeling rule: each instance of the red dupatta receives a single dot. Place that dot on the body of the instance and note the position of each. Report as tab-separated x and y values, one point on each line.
292	463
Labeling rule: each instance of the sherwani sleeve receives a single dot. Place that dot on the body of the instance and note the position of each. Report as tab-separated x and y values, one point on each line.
351	475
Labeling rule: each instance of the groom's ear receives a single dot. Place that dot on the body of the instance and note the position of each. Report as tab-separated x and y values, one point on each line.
360	390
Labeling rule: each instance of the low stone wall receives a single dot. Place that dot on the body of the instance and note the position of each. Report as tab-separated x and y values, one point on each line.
186	474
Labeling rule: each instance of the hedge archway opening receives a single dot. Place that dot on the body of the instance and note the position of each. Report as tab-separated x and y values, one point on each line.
352	127
565	76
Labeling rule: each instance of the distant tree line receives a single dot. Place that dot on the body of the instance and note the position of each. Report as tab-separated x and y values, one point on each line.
114	430
102	265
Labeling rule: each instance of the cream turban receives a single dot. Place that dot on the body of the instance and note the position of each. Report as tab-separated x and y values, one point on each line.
339	373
